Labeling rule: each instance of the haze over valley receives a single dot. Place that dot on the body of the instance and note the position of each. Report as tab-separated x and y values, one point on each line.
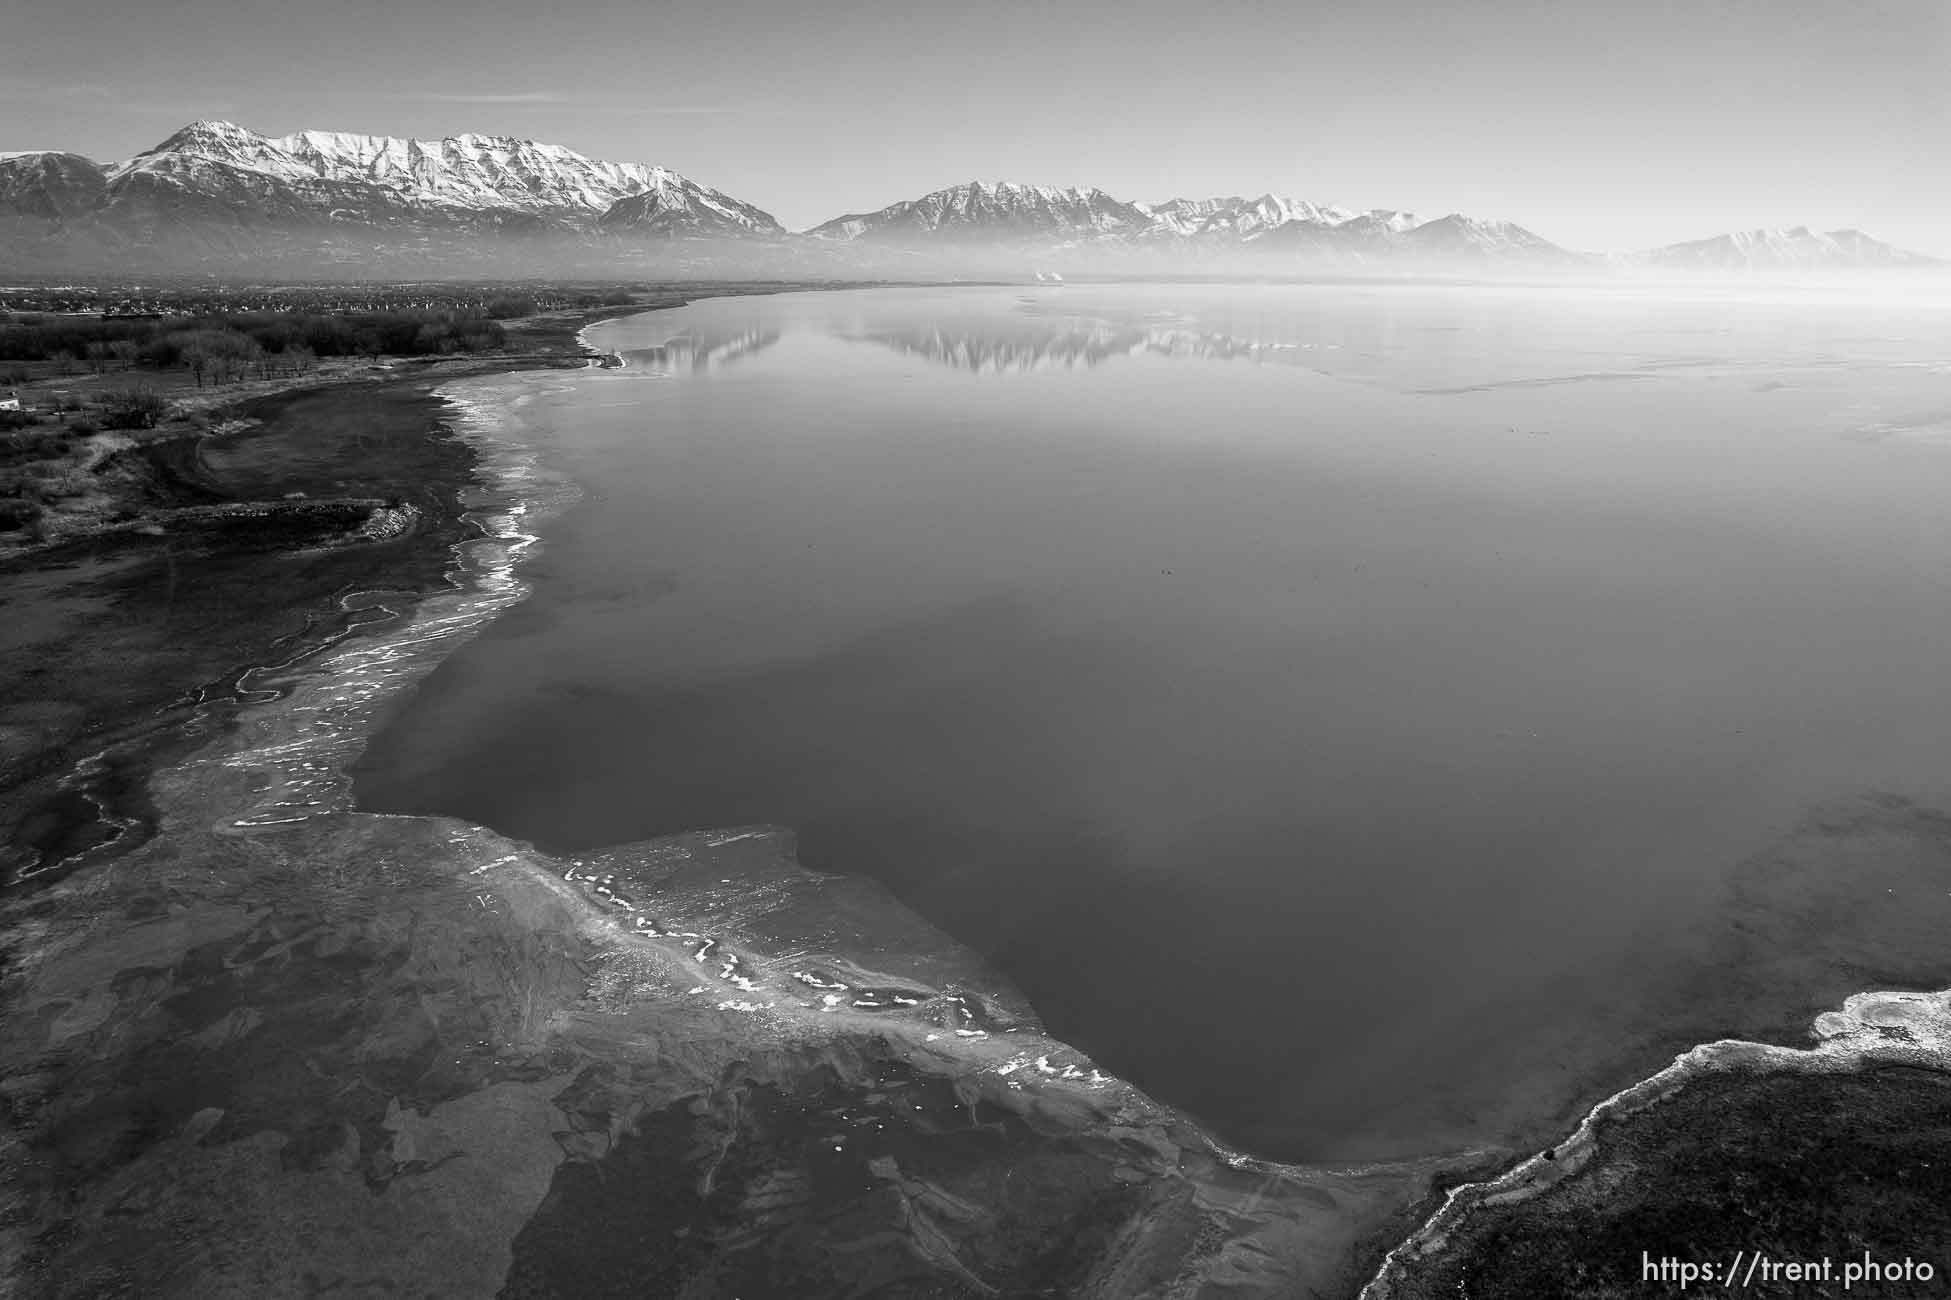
219	198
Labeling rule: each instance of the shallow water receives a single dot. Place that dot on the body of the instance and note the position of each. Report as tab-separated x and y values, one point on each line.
1292	688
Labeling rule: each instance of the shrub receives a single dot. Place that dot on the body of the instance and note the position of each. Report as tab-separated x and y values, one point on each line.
17	513
214	331
505	306
41	444
49	484
134	408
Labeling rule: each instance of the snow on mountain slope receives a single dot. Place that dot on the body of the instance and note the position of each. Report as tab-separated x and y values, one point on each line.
1459	236
992	210
673	205
370	177
1003	214
48	184
215	191
1238	217
1796	248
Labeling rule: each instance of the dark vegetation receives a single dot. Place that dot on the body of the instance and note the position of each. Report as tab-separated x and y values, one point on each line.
235	344
127	349
174	617
1796	1167
45	455
202	299
221	335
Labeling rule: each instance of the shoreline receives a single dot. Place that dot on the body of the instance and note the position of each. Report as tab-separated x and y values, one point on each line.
92	705
1851	1040
764	1013
88	713
920	1007
1871	1030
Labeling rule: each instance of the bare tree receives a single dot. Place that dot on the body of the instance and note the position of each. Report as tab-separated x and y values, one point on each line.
135	408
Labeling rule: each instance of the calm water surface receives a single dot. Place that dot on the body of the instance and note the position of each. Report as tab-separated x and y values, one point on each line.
1287	686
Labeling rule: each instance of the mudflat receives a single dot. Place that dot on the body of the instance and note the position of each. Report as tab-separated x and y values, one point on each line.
266	1043
276	1045
1237	666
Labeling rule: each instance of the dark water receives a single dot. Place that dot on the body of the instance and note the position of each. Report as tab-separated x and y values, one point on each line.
1289	687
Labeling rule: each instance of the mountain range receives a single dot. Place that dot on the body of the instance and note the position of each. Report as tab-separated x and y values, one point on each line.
216	196
1797	249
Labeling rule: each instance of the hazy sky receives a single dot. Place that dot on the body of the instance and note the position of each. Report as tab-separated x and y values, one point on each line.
1599	126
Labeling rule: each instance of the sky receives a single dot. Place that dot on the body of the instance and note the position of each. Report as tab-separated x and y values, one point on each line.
1599	126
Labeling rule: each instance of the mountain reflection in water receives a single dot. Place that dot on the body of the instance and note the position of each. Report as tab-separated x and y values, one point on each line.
1354	750
692	353
1069	344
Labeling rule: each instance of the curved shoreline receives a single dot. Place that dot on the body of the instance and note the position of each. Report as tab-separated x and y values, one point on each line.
1855	1038
746	939
750	982
1871	1029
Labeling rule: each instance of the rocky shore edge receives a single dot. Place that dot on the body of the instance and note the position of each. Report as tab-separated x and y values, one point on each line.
1872	1031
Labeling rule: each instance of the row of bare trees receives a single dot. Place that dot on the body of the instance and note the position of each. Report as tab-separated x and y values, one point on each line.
213	356
122	352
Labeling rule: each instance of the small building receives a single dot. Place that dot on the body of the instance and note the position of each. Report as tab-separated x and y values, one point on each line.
11	402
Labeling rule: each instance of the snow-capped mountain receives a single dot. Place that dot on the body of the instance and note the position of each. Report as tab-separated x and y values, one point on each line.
1197	218
1385	221
672	205
1003	217
340	176
48	184
216	195
1794	249
991	212
1458	236
1383	237
216	191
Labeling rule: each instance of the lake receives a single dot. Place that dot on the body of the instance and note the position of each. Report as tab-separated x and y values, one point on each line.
1308	694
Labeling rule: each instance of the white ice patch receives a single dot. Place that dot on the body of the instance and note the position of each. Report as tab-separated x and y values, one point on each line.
717	840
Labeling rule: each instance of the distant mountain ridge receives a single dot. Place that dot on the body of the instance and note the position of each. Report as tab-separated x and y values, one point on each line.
215	194
1007	212
1794	249
1195	218
216	190
988	211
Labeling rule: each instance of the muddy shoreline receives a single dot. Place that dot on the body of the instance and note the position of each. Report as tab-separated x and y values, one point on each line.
270	1045
243	547
283	1046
